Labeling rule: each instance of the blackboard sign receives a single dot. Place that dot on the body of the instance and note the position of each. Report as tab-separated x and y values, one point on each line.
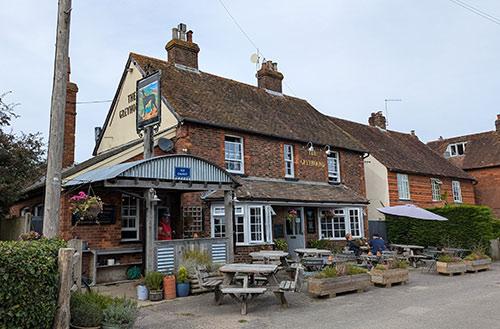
278	231
107	216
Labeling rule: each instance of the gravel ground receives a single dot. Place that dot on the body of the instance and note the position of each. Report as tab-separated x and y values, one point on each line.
427	301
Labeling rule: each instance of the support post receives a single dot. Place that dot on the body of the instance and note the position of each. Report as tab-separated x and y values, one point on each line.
228	216
149	232
56	132
77	244
65	260
148	142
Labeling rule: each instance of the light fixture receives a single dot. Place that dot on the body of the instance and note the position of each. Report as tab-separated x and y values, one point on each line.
310	147
153	196
328	151
235	199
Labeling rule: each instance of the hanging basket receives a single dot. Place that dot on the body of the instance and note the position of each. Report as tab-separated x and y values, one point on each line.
292	215
85	206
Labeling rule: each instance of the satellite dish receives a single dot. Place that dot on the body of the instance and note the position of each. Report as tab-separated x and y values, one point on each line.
254	58
165	144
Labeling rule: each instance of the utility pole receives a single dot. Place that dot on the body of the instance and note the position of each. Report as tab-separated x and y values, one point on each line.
56	133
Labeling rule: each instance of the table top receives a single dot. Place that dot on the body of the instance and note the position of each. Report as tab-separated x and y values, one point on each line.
268	254
409	246
313	251
248	268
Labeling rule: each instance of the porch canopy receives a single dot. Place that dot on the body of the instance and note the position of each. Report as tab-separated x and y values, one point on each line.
174	172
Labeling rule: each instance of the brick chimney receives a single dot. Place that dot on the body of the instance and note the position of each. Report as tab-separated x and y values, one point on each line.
377	119
69	123
181	49
269	77
497	123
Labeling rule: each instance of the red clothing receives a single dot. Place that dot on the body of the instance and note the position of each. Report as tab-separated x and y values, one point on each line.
166	232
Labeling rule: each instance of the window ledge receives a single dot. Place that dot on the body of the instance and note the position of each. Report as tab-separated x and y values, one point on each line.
292	179
254	244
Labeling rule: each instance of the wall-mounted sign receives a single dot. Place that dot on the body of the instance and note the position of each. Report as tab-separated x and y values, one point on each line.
182	172
148	96
312	163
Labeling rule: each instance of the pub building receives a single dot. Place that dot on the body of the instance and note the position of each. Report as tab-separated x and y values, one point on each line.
224	152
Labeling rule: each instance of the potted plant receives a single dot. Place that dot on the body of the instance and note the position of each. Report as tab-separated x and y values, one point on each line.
338	279
154	282
450	265
86	309
292	215
281	244
477	260
121	314
86	206
182	283
395	271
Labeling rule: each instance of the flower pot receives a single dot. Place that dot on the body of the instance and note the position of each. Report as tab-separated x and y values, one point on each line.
155	295
182	289
72	326
169	287
142	292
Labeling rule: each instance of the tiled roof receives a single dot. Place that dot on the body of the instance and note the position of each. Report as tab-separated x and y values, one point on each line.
482	149
400	152
209	99
262	189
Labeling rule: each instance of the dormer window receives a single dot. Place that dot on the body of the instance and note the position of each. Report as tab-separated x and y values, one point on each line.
455	149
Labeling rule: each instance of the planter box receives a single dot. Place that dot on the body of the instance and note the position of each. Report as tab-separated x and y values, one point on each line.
450	268
478	265
333	286
388	277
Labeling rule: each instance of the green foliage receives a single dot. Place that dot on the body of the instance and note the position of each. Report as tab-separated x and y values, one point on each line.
339	270
467	226
319	244
154	281
353	270
476	254
281	244
28	283
380	267
446	258
182	275
327	272
87	308
193	258
122	314
21	158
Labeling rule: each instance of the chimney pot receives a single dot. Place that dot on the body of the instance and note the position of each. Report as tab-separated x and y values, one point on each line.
497	123
377	119
268	77
189	35
175	33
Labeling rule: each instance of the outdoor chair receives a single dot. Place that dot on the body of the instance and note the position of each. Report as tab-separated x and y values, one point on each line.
209	282
290	286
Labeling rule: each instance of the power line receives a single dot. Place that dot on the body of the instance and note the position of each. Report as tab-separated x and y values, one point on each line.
94	102
476	11
250	39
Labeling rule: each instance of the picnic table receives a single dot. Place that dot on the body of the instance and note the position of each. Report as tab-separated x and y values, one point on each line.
312	252
269	256
248	272
412	252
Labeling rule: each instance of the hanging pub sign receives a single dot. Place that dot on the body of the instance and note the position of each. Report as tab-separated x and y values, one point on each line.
148	95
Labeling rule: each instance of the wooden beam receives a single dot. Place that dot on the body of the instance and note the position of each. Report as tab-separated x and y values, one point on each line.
180	185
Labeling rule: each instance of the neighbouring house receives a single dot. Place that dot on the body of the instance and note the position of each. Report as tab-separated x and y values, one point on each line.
268	162
400	169
479	155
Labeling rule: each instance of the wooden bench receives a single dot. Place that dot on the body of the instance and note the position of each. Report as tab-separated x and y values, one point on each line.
290	286
241	295
312	263
209	282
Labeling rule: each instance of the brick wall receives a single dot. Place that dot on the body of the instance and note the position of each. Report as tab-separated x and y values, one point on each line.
488	187
421	191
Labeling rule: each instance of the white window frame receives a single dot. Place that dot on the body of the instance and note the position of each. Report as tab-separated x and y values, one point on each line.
243	211
242	160
333	176
262	220
457	191
436	189
288	158
403	186
452	149
347	223
130	229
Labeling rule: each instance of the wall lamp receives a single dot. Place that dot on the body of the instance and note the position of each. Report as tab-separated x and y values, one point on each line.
310	147
328	151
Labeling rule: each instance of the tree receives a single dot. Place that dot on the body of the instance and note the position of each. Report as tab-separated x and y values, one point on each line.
21	157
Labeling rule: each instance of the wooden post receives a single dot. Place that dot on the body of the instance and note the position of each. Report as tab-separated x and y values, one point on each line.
148	142
77	261
56	133
228	216
149	231
65	259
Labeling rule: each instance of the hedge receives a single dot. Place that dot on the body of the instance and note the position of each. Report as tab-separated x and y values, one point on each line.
28	283
467	227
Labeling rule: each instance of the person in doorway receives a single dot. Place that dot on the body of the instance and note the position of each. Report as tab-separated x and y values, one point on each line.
164	228
352	245
377	245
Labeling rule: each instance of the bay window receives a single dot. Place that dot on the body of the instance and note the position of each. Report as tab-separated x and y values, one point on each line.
335	223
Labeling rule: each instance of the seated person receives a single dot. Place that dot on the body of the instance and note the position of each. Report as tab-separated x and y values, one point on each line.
352	245
164	228
377	244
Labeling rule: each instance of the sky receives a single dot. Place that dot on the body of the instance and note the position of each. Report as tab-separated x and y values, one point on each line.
345	57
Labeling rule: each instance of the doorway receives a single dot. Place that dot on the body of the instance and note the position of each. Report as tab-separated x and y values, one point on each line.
295	232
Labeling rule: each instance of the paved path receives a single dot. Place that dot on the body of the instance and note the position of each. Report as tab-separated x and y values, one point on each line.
429	301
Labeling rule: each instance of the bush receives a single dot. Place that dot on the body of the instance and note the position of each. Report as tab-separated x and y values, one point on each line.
87	308
153	281
28	283
281	244
122	313
467	227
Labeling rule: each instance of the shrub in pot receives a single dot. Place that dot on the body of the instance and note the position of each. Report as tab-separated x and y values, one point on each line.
448	264
182	284
121	314
477	260
87	309
154	281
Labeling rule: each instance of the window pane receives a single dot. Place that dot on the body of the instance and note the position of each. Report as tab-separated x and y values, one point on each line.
256	234
355	222
333	167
